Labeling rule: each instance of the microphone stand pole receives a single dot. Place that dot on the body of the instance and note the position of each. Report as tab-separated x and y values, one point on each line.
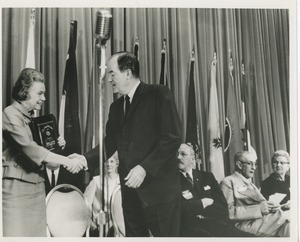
103	218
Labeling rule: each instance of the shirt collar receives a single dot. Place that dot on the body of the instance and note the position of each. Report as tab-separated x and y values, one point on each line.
190	172
246	180
22	109
132	91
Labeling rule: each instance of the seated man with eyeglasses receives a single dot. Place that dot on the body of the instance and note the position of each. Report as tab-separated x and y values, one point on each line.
278	182
247	206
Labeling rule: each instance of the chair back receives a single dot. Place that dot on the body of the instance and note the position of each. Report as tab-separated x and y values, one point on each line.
116	212
67	212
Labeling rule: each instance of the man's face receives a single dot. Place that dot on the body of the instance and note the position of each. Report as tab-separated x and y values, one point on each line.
281	165
118	80
186	159
248	166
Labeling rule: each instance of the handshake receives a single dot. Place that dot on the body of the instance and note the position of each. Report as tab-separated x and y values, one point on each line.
75	163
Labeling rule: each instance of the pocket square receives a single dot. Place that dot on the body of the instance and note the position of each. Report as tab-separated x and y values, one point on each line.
187	194
207	187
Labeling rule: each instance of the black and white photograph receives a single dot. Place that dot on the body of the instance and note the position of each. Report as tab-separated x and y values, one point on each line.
173	120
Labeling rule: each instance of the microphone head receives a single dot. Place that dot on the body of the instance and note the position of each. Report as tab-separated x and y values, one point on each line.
103	25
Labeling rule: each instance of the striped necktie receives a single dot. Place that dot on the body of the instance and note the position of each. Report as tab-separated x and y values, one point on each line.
188	177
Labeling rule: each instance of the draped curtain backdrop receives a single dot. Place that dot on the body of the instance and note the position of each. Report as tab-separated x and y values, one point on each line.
259	38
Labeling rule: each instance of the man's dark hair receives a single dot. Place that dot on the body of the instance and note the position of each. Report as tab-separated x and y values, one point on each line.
127	60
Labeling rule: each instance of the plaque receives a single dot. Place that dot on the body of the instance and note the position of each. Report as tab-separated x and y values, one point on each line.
44	131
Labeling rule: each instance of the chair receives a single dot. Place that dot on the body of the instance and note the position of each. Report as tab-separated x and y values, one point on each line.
116	212
67	212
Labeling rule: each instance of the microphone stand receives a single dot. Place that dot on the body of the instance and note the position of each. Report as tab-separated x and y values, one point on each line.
103	214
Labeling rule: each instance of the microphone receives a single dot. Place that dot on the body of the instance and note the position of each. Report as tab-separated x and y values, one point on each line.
103	26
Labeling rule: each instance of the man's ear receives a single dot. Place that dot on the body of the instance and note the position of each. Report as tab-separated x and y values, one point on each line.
238	164
128	72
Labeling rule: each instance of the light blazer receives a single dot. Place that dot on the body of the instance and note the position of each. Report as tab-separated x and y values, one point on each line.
21	156
243	206
150	136
243	201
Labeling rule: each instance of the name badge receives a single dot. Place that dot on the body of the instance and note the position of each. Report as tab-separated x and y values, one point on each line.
207	187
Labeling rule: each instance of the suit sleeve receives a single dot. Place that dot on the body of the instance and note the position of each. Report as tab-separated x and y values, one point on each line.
169	138
17	131
236	211
219	208
92	158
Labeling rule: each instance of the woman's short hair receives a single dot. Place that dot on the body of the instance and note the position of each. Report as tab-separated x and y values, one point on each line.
278	153
24	82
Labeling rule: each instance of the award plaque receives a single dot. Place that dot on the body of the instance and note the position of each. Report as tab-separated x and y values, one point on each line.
44	131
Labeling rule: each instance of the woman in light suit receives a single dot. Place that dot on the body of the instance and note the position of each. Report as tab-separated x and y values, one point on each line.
23	189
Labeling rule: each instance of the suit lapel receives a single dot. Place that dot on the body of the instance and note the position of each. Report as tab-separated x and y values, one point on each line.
136	99
249	191
198	181
186	185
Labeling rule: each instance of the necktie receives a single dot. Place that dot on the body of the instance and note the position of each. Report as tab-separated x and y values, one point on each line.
52	179
127	104
188	177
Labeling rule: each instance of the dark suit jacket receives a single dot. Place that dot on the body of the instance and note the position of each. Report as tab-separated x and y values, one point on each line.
65	177
272	185
205	186
150	136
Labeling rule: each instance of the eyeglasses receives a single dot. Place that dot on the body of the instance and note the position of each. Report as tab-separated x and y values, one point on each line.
280	162
248	163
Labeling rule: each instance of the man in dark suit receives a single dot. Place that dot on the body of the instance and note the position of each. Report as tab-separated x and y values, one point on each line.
144	127
61	176
203	208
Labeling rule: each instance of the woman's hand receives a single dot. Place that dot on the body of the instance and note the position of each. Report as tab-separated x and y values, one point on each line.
61	142
74	165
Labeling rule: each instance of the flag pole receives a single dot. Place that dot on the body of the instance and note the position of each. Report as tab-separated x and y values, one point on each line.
163	74
244	111
136	47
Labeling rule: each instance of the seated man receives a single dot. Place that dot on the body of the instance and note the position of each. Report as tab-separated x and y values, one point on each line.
204	208
247	206
278	181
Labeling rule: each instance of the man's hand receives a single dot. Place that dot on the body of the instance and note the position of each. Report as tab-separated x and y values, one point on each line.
266	207
80	157
207	202
75	163
135	177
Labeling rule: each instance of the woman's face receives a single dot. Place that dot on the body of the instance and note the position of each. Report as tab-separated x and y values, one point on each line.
36	96
111	165
281	165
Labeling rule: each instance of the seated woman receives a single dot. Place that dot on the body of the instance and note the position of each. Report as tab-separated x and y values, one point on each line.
278	181
93	192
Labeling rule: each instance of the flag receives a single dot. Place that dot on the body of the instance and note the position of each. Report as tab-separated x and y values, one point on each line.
192	128
30	58
163	69
90	130
215	143
233	135
69	126
136	48
246	133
